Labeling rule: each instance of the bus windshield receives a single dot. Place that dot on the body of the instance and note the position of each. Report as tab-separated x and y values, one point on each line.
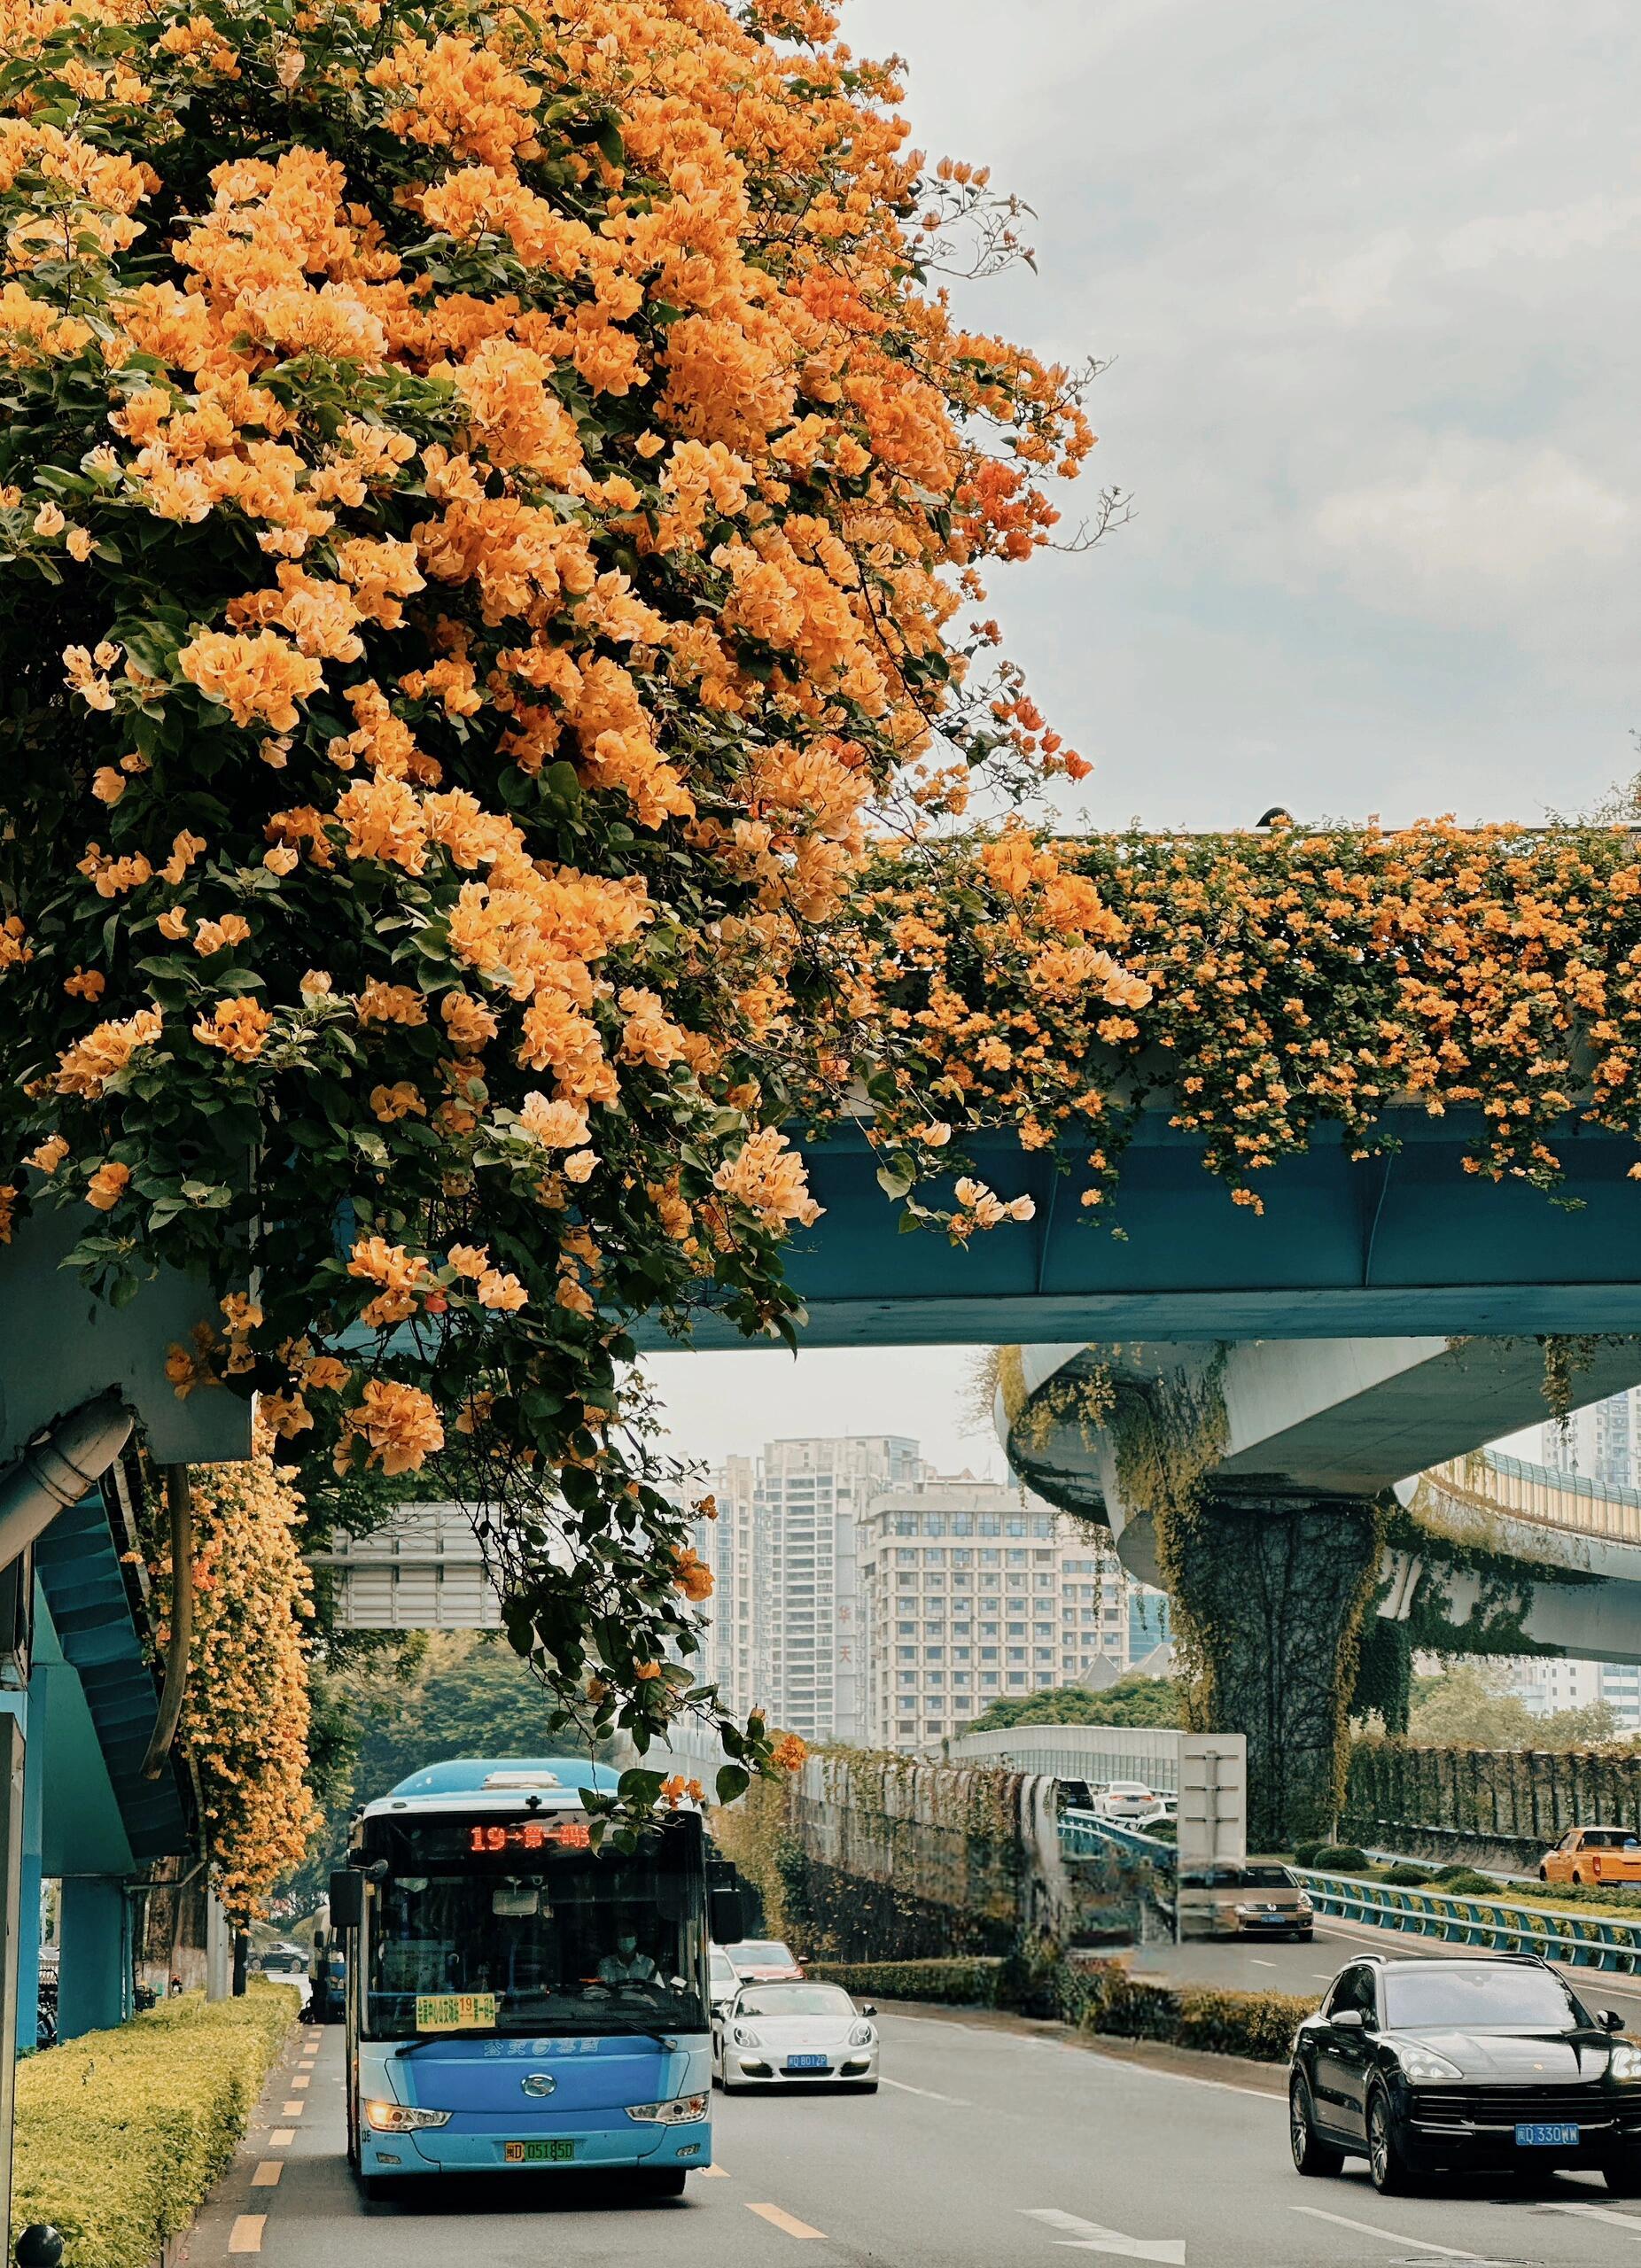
479	1931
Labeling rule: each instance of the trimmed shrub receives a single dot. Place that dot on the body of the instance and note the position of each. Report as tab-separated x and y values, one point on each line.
1340	1859
1405	1876
972	1983
1258	2025
1304	1853
1464	1882
120	2134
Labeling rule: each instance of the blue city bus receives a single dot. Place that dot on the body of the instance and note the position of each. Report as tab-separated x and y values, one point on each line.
517	2000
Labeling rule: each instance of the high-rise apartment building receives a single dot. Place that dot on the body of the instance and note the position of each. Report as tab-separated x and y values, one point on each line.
972	1595
786	1633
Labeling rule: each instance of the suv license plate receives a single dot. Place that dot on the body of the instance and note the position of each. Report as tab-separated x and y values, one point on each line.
537	2153
806	2062
1547	2137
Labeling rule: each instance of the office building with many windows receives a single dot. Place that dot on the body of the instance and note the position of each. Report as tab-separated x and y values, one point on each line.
971	1594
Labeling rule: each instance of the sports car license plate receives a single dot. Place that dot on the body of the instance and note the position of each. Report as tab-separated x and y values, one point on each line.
1547	2137
806	2062
538	2153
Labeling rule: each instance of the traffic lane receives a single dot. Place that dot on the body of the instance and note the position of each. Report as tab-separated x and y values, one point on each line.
992	2145
1158	2155
988	2147
1267	1965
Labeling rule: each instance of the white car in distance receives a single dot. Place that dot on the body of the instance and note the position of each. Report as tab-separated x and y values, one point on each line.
795	2035
1126	1803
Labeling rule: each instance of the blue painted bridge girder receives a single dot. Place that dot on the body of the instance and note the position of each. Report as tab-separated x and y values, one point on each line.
1402	1244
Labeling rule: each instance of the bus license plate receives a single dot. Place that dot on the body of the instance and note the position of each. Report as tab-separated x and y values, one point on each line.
1547	2137
806	2062
538	2153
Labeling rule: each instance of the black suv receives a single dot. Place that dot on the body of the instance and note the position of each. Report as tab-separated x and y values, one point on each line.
1420	2064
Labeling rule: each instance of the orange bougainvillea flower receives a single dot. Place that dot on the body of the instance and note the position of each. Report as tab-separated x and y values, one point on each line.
107	1186
398	1425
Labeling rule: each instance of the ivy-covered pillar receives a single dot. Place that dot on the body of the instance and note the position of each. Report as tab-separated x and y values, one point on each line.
1269	1600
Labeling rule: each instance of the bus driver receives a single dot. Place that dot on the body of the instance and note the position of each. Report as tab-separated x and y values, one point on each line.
627	1965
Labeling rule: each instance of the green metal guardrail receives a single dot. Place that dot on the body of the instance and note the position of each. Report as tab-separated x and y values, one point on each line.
1084	1835
1583	1940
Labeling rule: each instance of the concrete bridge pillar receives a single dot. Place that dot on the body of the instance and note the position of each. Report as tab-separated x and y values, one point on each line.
1269	1600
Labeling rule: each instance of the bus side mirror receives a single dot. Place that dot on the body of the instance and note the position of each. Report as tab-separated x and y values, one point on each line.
347	1899
726	1915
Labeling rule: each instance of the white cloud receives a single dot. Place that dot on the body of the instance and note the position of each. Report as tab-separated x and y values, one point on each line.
1482	533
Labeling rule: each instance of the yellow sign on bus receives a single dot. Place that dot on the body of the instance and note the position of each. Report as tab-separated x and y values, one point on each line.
455	2011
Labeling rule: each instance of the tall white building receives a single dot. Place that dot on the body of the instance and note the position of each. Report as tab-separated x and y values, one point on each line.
1602	1441
786	1635
972	1595
1548	1686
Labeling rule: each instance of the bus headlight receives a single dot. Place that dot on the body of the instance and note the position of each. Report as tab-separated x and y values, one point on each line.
680	2112
401	2117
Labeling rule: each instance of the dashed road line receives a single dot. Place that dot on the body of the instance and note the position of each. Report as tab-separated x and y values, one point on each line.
300	2080
1391	2236
1257	1963
246	2233
720	2172
780	2219
293	2110
928	2094
282	2137
267	2173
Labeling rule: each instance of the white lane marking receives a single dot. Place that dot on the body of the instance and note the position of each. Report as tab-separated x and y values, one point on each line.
1603	2213
1254	1957
1089	2236
1032	2041
1391	2236
928	2093
1183	2078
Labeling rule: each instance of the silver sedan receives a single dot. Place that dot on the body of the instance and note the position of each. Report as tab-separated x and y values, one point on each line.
794	2036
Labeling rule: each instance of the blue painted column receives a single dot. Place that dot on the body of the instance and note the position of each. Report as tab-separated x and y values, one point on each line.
94	1991
29	1875
23	2011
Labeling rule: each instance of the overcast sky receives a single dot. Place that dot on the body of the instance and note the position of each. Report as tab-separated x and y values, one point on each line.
1367	275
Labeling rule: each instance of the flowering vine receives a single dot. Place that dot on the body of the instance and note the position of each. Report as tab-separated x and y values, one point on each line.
244	1721
1261	988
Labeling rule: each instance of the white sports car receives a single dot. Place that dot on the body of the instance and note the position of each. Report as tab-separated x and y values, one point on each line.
793	2035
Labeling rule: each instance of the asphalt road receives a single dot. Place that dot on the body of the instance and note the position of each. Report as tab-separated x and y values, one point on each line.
1287	1968
992	2145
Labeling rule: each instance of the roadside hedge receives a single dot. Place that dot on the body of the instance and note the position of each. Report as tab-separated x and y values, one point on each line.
1258	2025
1100	1996
972	1982
120	2134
